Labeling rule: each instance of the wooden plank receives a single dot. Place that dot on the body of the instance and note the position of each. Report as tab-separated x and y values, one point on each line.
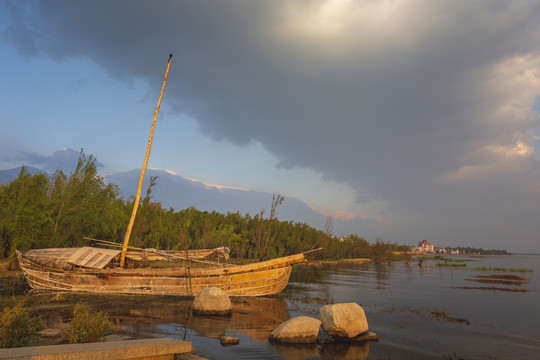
90	257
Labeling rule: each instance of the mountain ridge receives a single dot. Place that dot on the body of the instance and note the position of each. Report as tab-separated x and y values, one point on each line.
178	192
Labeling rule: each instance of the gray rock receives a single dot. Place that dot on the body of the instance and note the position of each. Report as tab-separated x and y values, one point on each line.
301	329
212	301
367	336
345	320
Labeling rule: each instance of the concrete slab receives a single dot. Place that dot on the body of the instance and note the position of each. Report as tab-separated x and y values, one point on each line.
148	349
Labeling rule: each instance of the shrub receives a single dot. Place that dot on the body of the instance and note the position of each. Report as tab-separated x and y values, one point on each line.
18	327
87	326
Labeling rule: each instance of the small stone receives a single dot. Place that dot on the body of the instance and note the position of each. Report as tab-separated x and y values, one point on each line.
301	329
52	333
345	320
228	340
367	336
212	301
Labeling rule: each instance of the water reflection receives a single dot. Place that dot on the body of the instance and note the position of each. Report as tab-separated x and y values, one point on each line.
138	315
308	274
258	317
212	327
334	350
345	351
297	352
382	274
253	317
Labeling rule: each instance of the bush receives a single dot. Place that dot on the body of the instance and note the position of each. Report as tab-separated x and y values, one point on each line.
381	251
87	326
18	327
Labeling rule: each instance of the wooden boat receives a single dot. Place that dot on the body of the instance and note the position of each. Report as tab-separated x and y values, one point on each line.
87	270
103	271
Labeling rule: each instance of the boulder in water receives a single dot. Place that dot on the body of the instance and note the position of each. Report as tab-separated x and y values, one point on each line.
345	320
212	301
301	329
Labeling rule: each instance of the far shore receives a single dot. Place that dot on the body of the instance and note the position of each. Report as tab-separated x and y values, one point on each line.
320	263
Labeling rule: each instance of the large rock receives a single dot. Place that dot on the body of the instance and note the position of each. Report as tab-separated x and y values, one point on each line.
301	329
212	301
345	320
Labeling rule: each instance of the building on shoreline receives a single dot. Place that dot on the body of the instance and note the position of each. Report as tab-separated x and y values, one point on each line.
425	247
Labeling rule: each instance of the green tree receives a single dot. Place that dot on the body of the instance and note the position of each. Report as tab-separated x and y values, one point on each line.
263	233
381	251
25	220
80	203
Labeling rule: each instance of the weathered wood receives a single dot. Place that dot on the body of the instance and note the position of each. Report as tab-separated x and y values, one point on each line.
93	257
145	163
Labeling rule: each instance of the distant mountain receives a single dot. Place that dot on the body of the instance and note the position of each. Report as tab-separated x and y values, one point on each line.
11	174
180	193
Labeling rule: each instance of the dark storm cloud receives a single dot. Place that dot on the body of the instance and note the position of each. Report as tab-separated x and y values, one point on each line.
65	160
425	105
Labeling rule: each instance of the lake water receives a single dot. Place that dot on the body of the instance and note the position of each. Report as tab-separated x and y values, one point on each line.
418	309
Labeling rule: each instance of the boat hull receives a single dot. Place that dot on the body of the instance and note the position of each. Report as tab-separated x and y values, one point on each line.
259	279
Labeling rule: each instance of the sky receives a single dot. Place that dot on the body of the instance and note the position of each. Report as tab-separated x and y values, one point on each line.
419	116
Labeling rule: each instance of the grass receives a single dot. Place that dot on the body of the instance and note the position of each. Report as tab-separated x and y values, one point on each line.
442	258
87	325
451	265
450	262
483	268
18	327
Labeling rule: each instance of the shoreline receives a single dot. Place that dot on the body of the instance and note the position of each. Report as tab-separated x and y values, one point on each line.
321	263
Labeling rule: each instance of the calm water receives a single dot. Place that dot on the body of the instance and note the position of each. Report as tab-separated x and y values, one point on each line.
419	311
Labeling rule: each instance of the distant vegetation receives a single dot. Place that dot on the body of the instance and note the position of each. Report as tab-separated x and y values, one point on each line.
478	251
38	211
483	268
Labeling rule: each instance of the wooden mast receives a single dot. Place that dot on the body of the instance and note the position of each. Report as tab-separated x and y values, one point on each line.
138	197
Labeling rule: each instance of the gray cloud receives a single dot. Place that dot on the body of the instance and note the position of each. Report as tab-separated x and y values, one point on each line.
64	159
425	105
